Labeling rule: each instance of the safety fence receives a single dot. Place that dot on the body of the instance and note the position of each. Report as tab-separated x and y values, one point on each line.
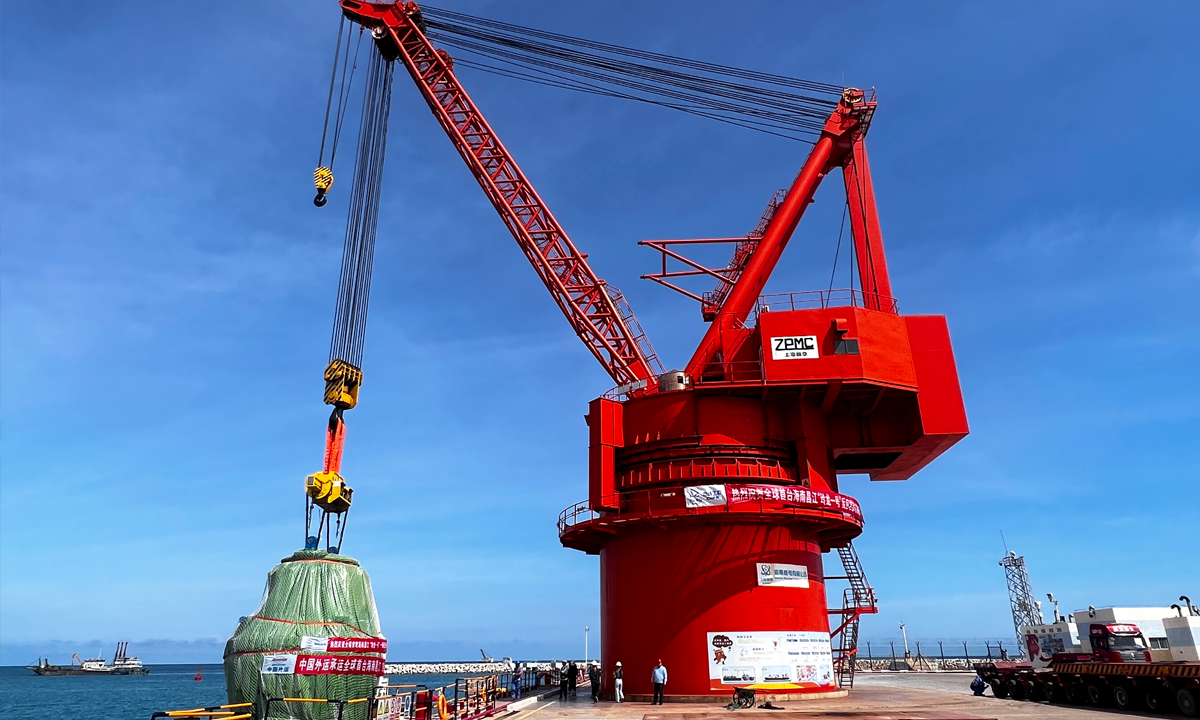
237	711
670	502
467	698
947	656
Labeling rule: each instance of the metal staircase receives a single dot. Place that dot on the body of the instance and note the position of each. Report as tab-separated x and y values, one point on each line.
857	600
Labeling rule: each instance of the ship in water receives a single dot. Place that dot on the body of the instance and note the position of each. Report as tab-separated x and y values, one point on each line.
122	664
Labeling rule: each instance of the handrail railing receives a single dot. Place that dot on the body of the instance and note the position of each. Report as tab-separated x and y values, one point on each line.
809	299
750	372
668	502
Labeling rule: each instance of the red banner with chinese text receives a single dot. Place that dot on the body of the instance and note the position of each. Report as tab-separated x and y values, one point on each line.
338	665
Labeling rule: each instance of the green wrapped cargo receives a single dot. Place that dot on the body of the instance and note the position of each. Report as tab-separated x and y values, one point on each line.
310	597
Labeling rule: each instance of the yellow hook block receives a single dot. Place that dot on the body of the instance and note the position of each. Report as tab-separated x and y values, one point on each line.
329	491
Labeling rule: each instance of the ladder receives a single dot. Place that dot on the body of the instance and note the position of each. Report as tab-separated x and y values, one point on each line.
857	600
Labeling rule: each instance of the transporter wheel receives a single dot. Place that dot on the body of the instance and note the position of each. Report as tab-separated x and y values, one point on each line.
1075	694
1098	695
1052	692
999	689
1016	689
1033	691
1185	698
1155	701
1122	698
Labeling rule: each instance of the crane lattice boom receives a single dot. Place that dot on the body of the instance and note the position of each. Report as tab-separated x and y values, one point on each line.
580	295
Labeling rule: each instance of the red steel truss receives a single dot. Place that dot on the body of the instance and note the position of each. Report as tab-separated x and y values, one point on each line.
842	144
582	297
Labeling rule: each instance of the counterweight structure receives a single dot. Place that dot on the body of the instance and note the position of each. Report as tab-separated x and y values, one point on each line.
713	491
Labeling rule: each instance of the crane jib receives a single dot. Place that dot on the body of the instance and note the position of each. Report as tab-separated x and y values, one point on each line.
606	327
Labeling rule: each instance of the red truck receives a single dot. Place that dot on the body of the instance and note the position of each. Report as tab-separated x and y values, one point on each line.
1117	673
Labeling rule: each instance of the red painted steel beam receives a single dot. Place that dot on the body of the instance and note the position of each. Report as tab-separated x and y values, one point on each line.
580	294
864	224
841	145
741	299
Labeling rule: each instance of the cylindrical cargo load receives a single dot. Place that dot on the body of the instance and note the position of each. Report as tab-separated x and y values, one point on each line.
699	598
315	635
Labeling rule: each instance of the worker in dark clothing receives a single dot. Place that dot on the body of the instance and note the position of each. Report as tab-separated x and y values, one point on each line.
594	679
619	677
564	682
573	674
659	677
978	685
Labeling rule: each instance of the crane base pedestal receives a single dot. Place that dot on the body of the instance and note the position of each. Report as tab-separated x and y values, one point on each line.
691	596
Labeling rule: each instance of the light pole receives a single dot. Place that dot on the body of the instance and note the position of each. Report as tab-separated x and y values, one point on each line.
586	630
905	634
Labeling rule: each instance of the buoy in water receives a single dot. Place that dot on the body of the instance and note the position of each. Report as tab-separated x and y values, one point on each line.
199	677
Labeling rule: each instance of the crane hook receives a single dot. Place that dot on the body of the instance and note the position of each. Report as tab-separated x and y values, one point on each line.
323	179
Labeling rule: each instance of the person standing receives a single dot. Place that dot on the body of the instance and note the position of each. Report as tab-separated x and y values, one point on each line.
619	678
564	682
517	676
594	679
659	677
573	678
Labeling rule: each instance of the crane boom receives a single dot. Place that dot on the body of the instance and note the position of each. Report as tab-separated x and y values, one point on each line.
611	335
841	145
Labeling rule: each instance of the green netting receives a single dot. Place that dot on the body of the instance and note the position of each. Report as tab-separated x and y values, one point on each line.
311	593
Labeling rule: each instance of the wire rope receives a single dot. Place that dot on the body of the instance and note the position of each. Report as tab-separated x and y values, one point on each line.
765	102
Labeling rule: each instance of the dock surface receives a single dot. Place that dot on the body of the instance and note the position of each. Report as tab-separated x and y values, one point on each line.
899	696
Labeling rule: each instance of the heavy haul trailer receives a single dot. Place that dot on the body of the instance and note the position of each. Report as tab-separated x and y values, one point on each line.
1118	673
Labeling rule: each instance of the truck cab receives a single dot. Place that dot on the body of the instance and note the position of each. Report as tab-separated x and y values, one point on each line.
1118	643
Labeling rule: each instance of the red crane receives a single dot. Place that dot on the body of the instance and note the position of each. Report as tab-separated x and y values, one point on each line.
713	492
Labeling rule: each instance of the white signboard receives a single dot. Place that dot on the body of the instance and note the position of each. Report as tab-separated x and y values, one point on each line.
705	496
283	664
773	657
309	643
781	575
794	347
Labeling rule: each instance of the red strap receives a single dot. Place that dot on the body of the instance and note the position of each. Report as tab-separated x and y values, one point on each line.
335	440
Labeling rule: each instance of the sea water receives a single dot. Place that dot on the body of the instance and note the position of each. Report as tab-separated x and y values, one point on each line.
25	696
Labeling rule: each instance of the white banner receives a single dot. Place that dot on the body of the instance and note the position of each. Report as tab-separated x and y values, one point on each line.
283	664
781	575
796	347
770	657
310	643
705	496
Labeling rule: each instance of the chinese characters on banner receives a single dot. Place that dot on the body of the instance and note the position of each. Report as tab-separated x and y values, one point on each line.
719	495
795	496
338	665
343	644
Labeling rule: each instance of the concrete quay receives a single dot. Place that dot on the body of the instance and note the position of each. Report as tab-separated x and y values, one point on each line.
876	696
470	668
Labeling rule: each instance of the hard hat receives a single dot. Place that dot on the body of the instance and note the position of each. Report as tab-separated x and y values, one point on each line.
618	663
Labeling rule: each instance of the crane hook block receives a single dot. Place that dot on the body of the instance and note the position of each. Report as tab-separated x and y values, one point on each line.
341	384
323	179
328	491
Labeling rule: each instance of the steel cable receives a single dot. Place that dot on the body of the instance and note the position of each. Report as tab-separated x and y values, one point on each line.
358	253
756	100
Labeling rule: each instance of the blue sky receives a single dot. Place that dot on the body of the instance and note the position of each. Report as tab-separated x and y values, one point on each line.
168	289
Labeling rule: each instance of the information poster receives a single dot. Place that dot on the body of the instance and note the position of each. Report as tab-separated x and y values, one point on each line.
796	659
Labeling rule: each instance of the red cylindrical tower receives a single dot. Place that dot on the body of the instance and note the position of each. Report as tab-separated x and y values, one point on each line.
712	498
